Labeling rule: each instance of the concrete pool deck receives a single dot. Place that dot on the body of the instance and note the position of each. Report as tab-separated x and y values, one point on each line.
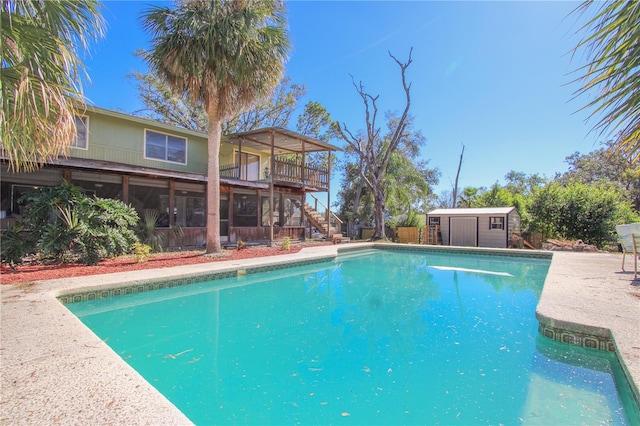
55	370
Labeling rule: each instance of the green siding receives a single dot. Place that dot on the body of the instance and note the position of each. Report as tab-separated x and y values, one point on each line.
120	140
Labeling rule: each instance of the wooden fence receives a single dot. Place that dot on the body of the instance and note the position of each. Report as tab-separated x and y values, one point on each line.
408	235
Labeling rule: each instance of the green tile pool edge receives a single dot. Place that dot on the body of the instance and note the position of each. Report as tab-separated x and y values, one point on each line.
568	334
155	284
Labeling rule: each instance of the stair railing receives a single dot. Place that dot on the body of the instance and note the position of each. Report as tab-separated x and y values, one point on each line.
334	221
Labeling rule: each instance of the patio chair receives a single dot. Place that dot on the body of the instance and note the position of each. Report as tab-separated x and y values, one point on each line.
629	239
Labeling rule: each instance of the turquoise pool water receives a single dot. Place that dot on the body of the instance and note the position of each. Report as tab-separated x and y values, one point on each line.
376	337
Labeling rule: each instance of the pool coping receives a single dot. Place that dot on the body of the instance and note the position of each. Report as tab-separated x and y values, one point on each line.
54	369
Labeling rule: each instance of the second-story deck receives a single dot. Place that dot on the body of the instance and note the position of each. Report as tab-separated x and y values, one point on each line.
293	159
287	170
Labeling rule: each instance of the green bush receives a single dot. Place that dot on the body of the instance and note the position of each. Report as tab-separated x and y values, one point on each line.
141	252
579	211
63	224
286	243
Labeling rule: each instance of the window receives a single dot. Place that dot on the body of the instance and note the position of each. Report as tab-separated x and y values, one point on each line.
250	165
245	210
434	221
496	223
81	139
159	146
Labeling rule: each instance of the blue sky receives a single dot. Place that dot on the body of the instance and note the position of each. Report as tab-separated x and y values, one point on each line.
494	76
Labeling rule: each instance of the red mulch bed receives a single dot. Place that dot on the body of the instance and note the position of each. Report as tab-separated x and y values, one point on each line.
29	273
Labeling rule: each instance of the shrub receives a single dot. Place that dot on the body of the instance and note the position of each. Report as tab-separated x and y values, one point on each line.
141	252
16	244
286	243
63	224
149	233
579	211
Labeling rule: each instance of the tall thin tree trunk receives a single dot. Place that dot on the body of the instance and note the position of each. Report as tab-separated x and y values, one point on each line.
378	214
356	201
455	186
213	182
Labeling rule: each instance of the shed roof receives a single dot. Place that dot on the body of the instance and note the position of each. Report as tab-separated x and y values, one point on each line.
471	211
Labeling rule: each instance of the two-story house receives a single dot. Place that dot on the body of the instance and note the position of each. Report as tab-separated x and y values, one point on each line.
154	166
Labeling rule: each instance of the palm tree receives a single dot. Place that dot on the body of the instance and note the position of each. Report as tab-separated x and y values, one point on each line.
613	70
40	75
223	55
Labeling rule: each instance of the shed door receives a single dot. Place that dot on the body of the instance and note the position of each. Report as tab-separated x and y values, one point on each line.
464	231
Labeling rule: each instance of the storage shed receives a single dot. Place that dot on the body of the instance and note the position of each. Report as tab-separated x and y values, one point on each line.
474	227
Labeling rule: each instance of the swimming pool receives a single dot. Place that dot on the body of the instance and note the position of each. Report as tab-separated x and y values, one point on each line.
377	337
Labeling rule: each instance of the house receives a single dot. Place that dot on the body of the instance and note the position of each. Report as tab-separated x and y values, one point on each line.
497	227
265	177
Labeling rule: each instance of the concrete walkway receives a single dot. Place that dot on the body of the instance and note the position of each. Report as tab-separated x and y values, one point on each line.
55	370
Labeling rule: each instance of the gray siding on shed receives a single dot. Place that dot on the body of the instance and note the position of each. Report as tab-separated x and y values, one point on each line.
486	237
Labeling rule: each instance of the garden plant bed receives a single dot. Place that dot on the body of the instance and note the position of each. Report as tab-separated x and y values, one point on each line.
30	273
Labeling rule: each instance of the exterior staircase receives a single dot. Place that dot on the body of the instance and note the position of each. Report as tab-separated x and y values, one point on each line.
330	229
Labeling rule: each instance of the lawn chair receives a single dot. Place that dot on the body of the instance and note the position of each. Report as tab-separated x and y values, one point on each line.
629	239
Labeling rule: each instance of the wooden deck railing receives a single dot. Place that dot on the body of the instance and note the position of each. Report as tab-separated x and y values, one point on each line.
292	170
287	170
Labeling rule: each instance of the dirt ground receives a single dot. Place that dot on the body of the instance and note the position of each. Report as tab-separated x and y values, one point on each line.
30	273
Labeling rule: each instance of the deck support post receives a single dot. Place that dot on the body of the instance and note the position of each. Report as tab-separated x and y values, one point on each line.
271	189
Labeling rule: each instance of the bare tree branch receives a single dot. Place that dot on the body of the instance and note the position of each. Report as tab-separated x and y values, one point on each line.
375	152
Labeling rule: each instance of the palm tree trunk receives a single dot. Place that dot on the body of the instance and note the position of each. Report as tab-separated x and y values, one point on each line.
213	181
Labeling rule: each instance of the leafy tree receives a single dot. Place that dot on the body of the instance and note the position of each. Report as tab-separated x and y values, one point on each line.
605	165
612	72
497	196
407	183
374	148
63	224
523	184
40	75
315	121
355	200
162	104
579	211
274	110
223	56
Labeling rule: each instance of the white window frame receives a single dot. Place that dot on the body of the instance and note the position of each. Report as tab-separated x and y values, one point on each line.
74	142
244	168
165	159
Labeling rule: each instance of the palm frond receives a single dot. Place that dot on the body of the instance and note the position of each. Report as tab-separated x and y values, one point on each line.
41	74
612	71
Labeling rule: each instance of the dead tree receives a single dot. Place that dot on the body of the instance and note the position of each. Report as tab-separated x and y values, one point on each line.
373	149
455	186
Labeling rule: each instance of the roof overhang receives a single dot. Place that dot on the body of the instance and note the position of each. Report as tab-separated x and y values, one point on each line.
284	141
471	211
